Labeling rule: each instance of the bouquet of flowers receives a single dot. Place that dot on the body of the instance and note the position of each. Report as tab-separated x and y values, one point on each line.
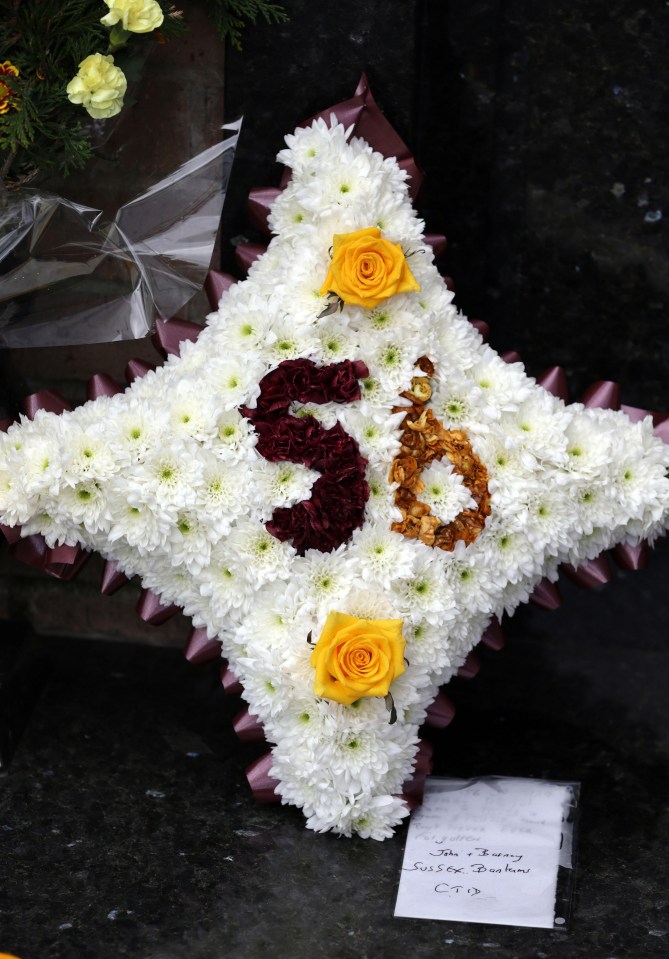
66	64
340	481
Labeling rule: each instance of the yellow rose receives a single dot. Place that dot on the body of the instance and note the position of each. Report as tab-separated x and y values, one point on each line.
136	16
357	657
366	269
98	86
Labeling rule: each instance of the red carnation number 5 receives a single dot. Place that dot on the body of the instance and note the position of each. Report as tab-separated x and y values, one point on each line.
337	503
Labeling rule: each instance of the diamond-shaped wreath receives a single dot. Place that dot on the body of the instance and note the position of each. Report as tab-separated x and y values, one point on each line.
340	481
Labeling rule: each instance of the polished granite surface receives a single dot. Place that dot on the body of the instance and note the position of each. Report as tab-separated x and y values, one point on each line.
127	827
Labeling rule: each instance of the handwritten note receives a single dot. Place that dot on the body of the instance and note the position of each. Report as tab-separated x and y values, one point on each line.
486	850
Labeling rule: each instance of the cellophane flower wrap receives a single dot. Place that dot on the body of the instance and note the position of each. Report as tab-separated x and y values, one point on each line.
193	477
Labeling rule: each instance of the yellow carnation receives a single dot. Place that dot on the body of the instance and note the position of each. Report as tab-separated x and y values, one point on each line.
136	16
99	86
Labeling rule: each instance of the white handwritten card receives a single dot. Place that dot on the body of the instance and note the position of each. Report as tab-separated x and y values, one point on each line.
486	850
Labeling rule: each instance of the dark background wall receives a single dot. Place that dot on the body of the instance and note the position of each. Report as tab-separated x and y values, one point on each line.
542	132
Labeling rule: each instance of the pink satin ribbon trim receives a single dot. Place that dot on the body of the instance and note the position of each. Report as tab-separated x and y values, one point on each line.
262	784
631	557
247	253
414	787
151	610
200	649
470	667
136	369
604	395
112	578
216	285
61	562
438	243
554	380
483	329
50	400
249	729
591	573
259	205
511	356
660	420
493	635
11	533
170	334
229	682
102	385
546	595
440	712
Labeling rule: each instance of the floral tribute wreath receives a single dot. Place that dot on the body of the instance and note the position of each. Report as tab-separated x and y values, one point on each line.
338	480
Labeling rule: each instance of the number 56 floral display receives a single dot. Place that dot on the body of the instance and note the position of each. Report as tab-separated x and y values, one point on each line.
340	481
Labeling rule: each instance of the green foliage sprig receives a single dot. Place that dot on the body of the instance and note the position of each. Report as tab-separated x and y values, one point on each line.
46	40
230	16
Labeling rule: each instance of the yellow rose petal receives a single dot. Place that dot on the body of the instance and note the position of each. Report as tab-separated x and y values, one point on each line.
367	269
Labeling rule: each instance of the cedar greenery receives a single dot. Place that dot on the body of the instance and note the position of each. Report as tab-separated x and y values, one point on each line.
41	131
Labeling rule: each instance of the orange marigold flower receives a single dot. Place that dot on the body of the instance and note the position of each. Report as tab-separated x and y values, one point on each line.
7	96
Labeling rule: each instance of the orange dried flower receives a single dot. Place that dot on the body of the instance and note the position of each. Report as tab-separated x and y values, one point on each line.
423	441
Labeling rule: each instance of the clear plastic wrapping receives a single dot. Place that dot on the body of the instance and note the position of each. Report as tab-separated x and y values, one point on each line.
70	276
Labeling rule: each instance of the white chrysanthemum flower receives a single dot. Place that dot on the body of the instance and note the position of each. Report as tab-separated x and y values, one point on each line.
290	342
371	818
538	426
383	556
88	456
378	438
504	386
190	418
242	328
381	503
141	526
262	556
468	582
168	476
391	359
370	603
236	437
425	594
281	485
343	189
57	530
325	413
223	496
445	492
456	404
189	541
325	579
234	379
427	645
388	317
306	147
549	517
86	504
223	582
336	343
39	467
134	431
589	446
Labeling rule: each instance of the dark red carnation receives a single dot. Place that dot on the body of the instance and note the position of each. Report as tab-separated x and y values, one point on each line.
338	497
